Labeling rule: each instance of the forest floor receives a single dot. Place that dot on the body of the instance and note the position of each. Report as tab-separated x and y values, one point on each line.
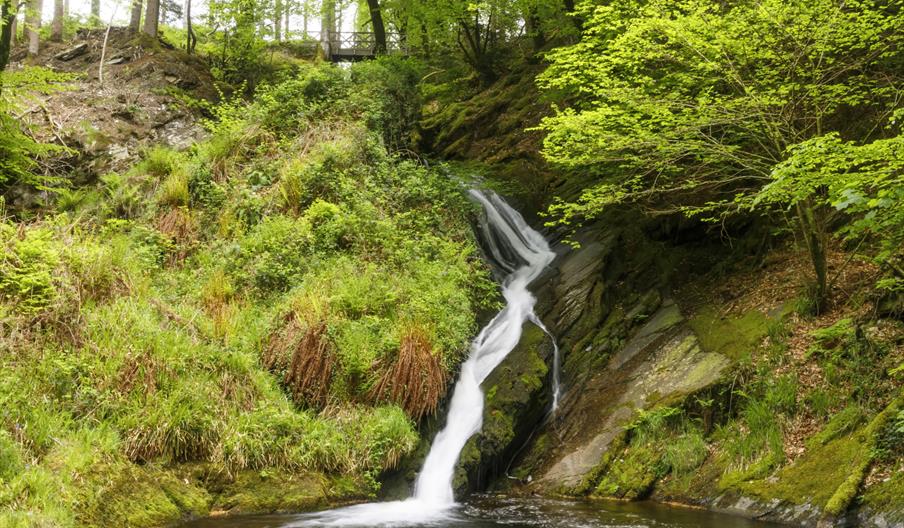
151	95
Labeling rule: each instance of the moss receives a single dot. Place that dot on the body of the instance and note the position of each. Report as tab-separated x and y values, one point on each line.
140	497
734	337
273	491
513	402
842	422
633	474
886	495
814	477
594	476
847	491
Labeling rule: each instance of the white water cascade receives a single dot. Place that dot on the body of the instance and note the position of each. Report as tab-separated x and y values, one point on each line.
523	254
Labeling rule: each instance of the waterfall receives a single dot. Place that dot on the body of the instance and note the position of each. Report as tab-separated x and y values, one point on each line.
523	253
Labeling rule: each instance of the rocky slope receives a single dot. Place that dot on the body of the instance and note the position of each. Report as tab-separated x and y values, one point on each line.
692	372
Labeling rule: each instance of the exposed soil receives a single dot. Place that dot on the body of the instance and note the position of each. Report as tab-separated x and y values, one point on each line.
148	97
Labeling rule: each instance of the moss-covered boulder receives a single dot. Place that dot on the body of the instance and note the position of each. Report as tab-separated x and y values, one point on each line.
279	491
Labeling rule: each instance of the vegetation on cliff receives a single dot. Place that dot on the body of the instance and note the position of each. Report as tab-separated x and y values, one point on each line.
287	295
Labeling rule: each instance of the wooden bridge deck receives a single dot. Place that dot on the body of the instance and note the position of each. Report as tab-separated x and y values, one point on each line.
357	45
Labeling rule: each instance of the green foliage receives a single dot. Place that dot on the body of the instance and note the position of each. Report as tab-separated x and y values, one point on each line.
863	181
28	268
137	355
675	98
19	152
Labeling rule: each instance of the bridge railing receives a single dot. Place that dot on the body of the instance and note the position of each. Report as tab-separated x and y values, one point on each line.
361	43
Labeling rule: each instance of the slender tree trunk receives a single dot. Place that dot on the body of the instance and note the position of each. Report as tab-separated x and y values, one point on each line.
191	40
376	20
569	9
14	25
286	15
65	8
95	12
33	24
56	29
152	18
277	20
328	28
135	18
532	25
7	28
815	238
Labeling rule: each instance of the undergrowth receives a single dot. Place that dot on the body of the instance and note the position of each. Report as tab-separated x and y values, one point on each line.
286	296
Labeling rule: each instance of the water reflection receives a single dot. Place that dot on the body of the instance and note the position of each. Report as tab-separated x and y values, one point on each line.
498	512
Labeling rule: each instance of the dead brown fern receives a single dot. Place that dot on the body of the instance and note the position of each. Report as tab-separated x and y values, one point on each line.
416	380
303	350
179	225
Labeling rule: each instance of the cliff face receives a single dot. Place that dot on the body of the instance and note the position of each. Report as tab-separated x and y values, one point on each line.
692	372
663	383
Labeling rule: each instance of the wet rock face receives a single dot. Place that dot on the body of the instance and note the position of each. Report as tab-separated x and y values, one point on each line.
516	400
661	361
625	346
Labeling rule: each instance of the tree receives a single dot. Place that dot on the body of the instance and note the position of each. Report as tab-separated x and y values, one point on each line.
277	19
376	20
191	39
135	17
33	24
689	107
327	27
152	18
863	181
95	13
56	28
8	11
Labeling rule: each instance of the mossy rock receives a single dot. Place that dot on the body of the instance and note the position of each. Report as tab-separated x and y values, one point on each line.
138	497
886	498
734	337
630	478
271	491
815	477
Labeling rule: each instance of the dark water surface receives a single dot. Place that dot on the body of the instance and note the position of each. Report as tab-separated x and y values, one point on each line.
489	512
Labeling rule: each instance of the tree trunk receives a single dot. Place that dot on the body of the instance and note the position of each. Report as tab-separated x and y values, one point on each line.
95	12
14	25
277	20
376	20
7	28
191	40
569	9
532	25
152	18
33	24
327	28
56	29
286	15
135	19
815	238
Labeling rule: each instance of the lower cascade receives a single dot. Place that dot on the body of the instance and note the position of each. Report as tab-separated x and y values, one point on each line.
523	253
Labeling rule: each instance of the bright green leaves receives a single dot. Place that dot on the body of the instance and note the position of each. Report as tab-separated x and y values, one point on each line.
690	103
865	182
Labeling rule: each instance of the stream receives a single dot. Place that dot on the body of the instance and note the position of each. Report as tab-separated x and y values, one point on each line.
522	254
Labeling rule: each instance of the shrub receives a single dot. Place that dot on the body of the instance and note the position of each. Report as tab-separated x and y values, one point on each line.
273	255
174	189
28	268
